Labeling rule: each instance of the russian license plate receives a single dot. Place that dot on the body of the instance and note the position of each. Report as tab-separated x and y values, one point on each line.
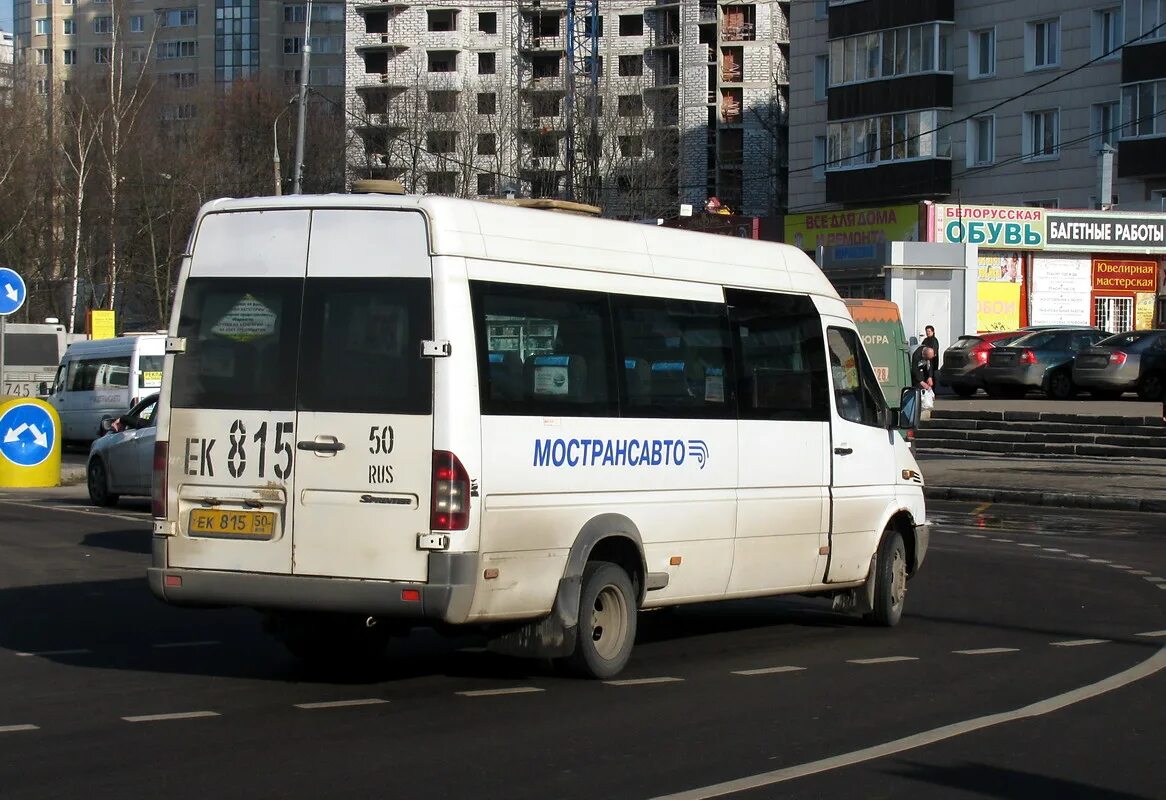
204	521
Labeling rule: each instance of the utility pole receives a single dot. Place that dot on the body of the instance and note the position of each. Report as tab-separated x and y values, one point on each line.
305	69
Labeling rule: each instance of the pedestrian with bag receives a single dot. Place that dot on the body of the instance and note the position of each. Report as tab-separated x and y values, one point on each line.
922	377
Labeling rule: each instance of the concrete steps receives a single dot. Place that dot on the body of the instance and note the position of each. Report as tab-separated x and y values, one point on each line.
1041	433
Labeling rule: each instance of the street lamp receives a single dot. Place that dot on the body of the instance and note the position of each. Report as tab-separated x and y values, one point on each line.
166	176
275	145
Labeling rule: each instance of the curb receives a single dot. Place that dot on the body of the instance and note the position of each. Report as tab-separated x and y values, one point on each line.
1040	497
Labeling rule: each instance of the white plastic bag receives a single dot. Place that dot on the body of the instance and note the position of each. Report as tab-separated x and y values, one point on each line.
928	400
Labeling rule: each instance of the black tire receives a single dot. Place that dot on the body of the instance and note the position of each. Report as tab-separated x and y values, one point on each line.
329	642
1059	385
963	389
98	483
607	622
1150	388
1105	394
890	589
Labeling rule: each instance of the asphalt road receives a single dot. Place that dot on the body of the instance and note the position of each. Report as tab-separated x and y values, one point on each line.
106	693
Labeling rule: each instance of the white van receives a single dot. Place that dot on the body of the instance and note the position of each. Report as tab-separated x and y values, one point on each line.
383	411
101	379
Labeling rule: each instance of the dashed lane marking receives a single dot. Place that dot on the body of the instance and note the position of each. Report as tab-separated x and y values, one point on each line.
1005	541
976	536
1100	561
643	681
18	728
497	692
987	651
883	660
1120	566
167	717
1053	550
1078	555
767	670
204	643
76	651
1079	642
1150	666
1028	544
364	701
1151	634
1140	572
1153	579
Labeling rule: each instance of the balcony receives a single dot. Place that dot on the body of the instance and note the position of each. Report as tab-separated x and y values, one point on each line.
1142	158
920	179
657	40
374	42
1144	62
876	15
379	81
373	6
891	95
708	12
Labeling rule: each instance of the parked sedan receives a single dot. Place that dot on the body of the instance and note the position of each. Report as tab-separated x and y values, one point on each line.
1127	362
1041	360
121	461
964	361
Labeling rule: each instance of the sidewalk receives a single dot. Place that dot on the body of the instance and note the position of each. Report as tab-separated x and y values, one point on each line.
1106	483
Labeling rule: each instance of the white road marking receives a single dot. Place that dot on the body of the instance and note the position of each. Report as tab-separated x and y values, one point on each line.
1100	561
74	652
1028	544
1078	555
987	651
1053	550
1140	572
165	717
204	643
1153	579
767	670
976	536
884	660
365	701
18	728
496	692
642	681
1121	566
1150	666
1006	541
1079	642
1151	633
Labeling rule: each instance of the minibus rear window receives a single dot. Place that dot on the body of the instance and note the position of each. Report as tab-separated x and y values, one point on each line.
242	340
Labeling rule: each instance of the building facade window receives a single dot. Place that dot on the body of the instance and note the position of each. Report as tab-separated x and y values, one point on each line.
487	144
166	51
488	22
43	55
102	24
1105	119
981	141
487	63
100	55
890	53
321	12
236	38
1151	14
819	165
487	103
1042	134
137	24
70	57
179	17
1143	109
821	76
1042	44
982	53
869	142
1108	32
68	27
486	183
42	86
42	27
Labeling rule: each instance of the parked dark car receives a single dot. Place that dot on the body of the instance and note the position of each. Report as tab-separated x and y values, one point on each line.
1041	360
964	361
1127	362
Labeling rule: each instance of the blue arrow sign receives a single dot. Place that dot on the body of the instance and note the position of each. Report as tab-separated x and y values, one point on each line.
12	292
27	434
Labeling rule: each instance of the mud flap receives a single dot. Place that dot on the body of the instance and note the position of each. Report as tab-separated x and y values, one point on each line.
552	636
861	598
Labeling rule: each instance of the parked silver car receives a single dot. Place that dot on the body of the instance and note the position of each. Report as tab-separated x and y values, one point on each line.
1127	362
121	461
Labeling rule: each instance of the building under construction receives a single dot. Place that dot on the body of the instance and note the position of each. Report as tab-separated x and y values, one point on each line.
635	106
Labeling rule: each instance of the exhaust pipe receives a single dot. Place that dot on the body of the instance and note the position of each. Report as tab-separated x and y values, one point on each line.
371	622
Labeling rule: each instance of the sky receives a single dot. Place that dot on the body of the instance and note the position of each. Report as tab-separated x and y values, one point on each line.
6	15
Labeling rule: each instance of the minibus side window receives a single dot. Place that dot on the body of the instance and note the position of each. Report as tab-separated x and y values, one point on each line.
781	360
150	371
544	351
856	392
676	357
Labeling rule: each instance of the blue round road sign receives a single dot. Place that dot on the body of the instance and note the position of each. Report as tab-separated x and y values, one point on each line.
27	434
12	292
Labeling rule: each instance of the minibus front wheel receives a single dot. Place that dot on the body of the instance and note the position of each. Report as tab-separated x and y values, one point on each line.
890	581
607	622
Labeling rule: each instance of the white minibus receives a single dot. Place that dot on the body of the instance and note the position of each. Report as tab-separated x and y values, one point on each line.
31	354
383	411
101	379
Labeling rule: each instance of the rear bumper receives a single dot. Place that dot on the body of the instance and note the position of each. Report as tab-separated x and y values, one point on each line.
445	597
1031	376
1105	379
962	376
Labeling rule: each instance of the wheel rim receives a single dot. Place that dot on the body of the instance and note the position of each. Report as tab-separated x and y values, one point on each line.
96	481
898	579
609	622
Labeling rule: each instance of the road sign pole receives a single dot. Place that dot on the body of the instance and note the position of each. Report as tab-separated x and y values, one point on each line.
2	362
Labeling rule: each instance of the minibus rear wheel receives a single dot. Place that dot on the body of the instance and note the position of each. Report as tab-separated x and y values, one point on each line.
890	589
607	622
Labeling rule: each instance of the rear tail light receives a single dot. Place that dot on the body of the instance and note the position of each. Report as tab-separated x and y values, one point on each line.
158	485
1027	357
980	352
451	494
1118	358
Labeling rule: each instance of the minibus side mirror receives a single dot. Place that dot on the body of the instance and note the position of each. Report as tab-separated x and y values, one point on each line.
910	407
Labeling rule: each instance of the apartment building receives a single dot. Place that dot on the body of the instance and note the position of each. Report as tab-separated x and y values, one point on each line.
638	106
980	101
6	55
197	43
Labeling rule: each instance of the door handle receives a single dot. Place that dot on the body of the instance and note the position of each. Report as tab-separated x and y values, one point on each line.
843	451
321	447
